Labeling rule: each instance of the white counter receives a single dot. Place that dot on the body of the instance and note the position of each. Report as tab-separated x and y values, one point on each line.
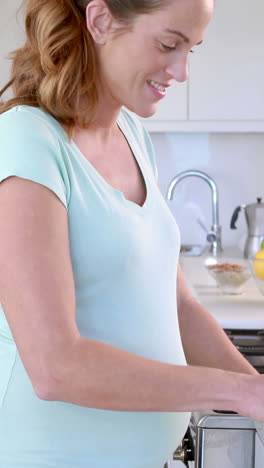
241	311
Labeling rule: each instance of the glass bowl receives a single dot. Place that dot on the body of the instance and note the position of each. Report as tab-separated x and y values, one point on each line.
230	277
257	269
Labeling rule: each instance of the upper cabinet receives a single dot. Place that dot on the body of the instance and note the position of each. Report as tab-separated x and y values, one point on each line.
225	90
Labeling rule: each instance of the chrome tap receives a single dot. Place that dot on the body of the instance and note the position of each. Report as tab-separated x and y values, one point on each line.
214	235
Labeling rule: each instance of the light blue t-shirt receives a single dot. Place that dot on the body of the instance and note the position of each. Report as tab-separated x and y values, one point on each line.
124	260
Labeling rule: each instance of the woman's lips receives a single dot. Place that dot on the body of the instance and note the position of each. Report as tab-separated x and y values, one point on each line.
158	89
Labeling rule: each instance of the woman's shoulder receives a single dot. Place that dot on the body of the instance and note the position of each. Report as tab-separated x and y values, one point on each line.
29	121
30	148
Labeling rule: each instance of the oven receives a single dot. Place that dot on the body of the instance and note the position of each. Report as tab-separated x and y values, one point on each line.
251	344
219	439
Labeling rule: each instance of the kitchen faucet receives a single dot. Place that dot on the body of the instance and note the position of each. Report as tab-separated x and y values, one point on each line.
214	235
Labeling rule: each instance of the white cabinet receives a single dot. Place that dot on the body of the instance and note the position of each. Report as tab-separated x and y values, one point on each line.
227	74
225	90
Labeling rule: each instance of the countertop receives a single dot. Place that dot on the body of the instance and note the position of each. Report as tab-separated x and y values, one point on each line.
243	311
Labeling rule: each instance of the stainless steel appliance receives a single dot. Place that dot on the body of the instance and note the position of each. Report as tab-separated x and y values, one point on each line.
254	214
219	439
224	441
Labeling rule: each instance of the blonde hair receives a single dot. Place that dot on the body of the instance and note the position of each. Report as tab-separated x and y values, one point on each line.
56	68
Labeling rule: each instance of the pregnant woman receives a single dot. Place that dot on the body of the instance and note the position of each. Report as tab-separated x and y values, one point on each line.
103	350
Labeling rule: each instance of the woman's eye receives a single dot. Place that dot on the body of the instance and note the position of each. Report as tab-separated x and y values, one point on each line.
166	47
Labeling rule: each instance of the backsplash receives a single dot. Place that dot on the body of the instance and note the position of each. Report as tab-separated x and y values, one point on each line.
235	161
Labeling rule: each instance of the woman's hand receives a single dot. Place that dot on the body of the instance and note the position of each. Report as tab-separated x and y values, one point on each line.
251	403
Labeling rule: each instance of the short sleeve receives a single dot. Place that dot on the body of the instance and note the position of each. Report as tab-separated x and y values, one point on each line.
30	149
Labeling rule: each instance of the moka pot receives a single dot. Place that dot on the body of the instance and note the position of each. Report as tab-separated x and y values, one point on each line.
254	214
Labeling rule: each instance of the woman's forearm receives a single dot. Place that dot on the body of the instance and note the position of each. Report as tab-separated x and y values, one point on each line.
98	375
205	342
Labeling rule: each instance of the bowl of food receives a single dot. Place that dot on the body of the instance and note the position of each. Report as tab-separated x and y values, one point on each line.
229	277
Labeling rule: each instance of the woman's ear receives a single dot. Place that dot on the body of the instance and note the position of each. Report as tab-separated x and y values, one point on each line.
98	20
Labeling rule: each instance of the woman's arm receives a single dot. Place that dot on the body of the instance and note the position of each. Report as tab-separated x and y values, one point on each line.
37	293
204	341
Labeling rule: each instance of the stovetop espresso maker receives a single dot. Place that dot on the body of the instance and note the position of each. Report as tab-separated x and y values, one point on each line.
254	214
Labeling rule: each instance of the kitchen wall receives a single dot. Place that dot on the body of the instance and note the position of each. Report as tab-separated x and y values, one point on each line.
235	161
11	35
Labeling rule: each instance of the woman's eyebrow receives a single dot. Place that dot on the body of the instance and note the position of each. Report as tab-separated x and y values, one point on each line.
185	38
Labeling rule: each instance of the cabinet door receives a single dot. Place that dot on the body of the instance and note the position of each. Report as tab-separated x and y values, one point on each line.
227	73
170	109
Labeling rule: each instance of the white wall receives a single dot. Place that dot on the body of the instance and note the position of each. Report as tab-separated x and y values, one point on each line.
11	35
234	161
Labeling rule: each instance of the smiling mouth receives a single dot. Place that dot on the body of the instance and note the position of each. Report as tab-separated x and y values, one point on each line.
156	85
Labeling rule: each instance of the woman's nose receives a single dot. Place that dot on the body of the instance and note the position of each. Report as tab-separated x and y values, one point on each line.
178	69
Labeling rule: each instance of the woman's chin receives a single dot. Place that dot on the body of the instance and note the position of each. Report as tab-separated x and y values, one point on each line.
144	113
